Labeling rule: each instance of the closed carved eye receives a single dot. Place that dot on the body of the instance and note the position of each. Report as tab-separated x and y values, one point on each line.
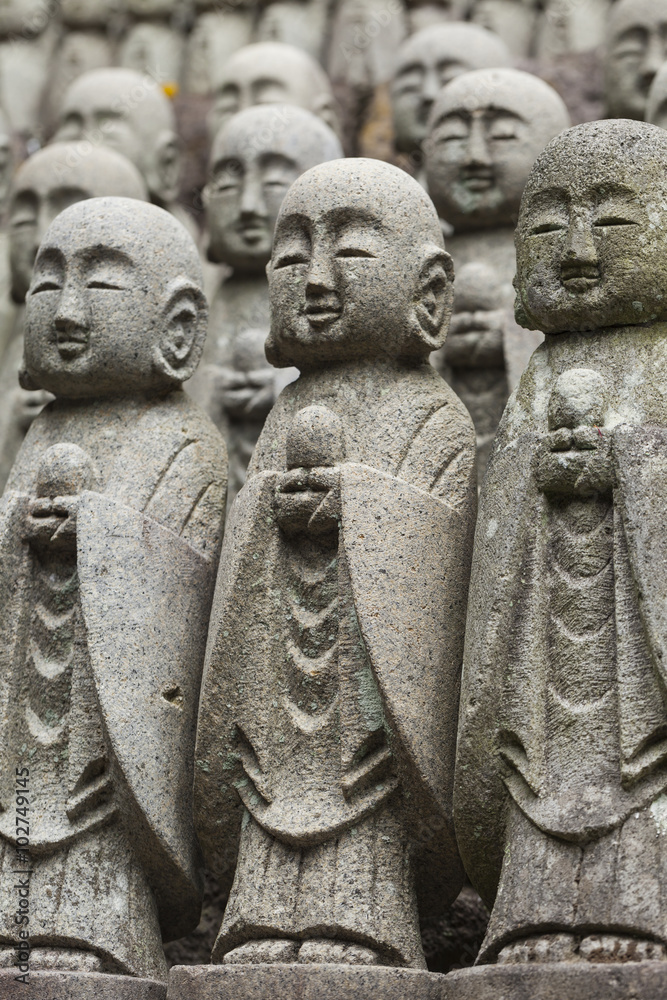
353	252
615	220
288	259
47	285
547	227
100	283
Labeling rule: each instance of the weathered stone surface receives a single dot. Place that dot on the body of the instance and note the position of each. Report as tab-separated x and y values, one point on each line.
515	21
110	529
271	72
636	47
429	60
485	130
323	764
218	32
299	982
561	768
154	39
79	986
614	981
255	158
44	185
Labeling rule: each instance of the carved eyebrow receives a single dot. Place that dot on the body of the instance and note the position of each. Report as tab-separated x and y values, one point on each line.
101	255
50	256
413	67
493	112
345	216
276	160
613	189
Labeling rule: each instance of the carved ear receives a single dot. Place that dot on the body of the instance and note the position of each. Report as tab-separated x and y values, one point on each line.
433	306
185	320
167	167
26	381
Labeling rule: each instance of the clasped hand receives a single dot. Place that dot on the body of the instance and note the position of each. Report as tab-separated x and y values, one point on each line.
51	523
575	462
307	501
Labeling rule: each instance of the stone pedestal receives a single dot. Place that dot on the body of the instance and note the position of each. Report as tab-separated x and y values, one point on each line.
303	982
78	986
560	981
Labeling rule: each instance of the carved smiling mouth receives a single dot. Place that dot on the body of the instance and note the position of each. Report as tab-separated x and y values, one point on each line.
579	277
478	178
323	312
72	344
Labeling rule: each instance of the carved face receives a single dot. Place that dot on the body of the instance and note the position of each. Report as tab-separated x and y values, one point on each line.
486	132
125	111
116	290
268	73
429	60
591	238
636	48
255	160
344	276
23	17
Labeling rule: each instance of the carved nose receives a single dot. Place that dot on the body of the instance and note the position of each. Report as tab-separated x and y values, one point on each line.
580	246
71	314
252	200
478	150
320	276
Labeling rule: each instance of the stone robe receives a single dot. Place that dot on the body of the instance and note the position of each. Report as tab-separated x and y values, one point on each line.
561	773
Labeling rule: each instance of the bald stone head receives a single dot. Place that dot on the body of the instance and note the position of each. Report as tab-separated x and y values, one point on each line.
271	73
89	13
116	306
636	47
426	62
358	269
485	131
24	18
256	156
128	112
591	240
50	181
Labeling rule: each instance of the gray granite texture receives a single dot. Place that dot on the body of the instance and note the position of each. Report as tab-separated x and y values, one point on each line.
44	185
609	981
327	719
560	794
636	47
79	986
426	62
271	73
485	131
255	158
110	531
298	982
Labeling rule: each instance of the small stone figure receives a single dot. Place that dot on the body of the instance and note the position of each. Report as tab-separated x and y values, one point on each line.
255	159
515	21
425	63
328	712
110	528
219	31
301	23
46	184
129	112
155	39
565	27
271	73
560	803
28	38
636	48
485	132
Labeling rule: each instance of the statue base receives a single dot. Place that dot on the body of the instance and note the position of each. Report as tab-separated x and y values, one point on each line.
78	986
560	981
303	982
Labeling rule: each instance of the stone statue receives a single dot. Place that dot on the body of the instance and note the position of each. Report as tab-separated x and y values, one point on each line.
301	23
427	13
329	701
129	112
561	783
271	73
485	131
46	184
636	47
425	63
110	528
219	31
564	27
28	39
656	104
155	39
515	21
255	159
88	42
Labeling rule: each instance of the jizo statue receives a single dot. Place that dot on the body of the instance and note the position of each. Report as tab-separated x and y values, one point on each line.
28	38
515	21
155	39
561	784
217	33
485	131
255	159
47	183
271	73
110	528
636	48
328	712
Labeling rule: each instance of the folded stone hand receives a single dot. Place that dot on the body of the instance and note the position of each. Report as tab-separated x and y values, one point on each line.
51	523
575	462
307	501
